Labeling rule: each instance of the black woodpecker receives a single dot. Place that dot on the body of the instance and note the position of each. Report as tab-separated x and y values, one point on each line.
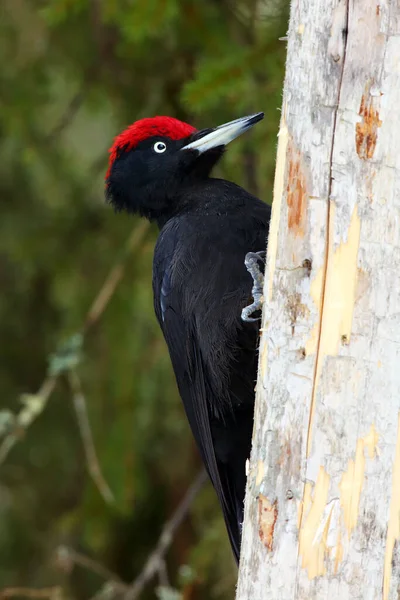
161	168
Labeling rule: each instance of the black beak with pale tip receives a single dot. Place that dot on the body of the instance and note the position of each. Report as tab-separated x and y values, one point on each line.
208	139
204	148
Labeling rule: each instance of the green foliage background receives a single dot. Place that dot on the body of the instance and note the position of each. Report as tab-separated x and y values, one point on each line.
74	73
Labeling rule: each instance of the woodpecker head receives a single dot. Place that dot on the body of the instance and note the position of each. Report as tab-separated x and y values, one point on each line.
155	158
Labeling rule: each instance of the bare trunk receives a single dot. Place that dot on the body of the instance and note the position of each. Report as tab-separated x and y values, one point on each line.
323	498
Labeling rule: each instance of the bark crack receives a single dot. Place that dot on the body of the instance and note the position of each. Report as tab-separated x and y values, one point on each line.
326	261
318	360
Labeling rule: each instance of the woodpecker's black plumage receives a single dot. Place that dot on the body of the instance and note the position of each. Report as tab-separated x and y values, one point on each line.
200	283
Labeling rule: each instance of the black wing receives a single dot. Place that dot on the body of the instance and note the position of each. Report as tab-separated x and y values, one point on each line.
198	297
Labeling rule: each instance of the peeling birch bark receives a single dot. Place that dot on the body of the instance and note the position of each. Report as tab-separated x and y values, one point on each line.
322	515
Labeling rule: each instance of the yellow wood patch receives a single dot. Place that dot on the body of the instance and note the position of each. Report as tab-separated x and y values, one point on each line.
280	171
311	550
393	531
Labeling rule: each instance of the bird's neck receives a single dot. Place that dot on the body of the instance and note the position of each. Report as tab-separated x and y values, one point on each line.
186	199
206	197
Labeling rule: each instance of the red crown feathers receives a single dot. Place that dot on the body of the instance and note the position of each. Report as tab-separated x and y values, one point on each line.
145	128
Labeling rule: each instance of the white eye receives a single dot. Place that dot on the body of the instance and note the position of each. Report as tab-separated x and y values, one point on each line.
160	147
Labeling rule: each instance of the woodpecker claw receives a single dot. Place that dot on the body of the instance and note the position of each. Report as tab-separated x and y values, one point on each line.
251	263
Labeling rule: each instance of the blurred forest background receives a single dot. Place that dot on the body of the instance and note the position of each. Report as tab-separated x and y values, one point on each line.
74	73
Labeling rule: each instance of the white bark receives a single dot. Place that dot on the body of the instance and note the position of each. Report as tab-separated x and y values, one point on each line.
322	517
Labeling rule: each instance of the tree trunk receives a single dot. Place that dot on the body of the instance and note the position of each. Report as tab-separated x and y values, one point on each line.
322	517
